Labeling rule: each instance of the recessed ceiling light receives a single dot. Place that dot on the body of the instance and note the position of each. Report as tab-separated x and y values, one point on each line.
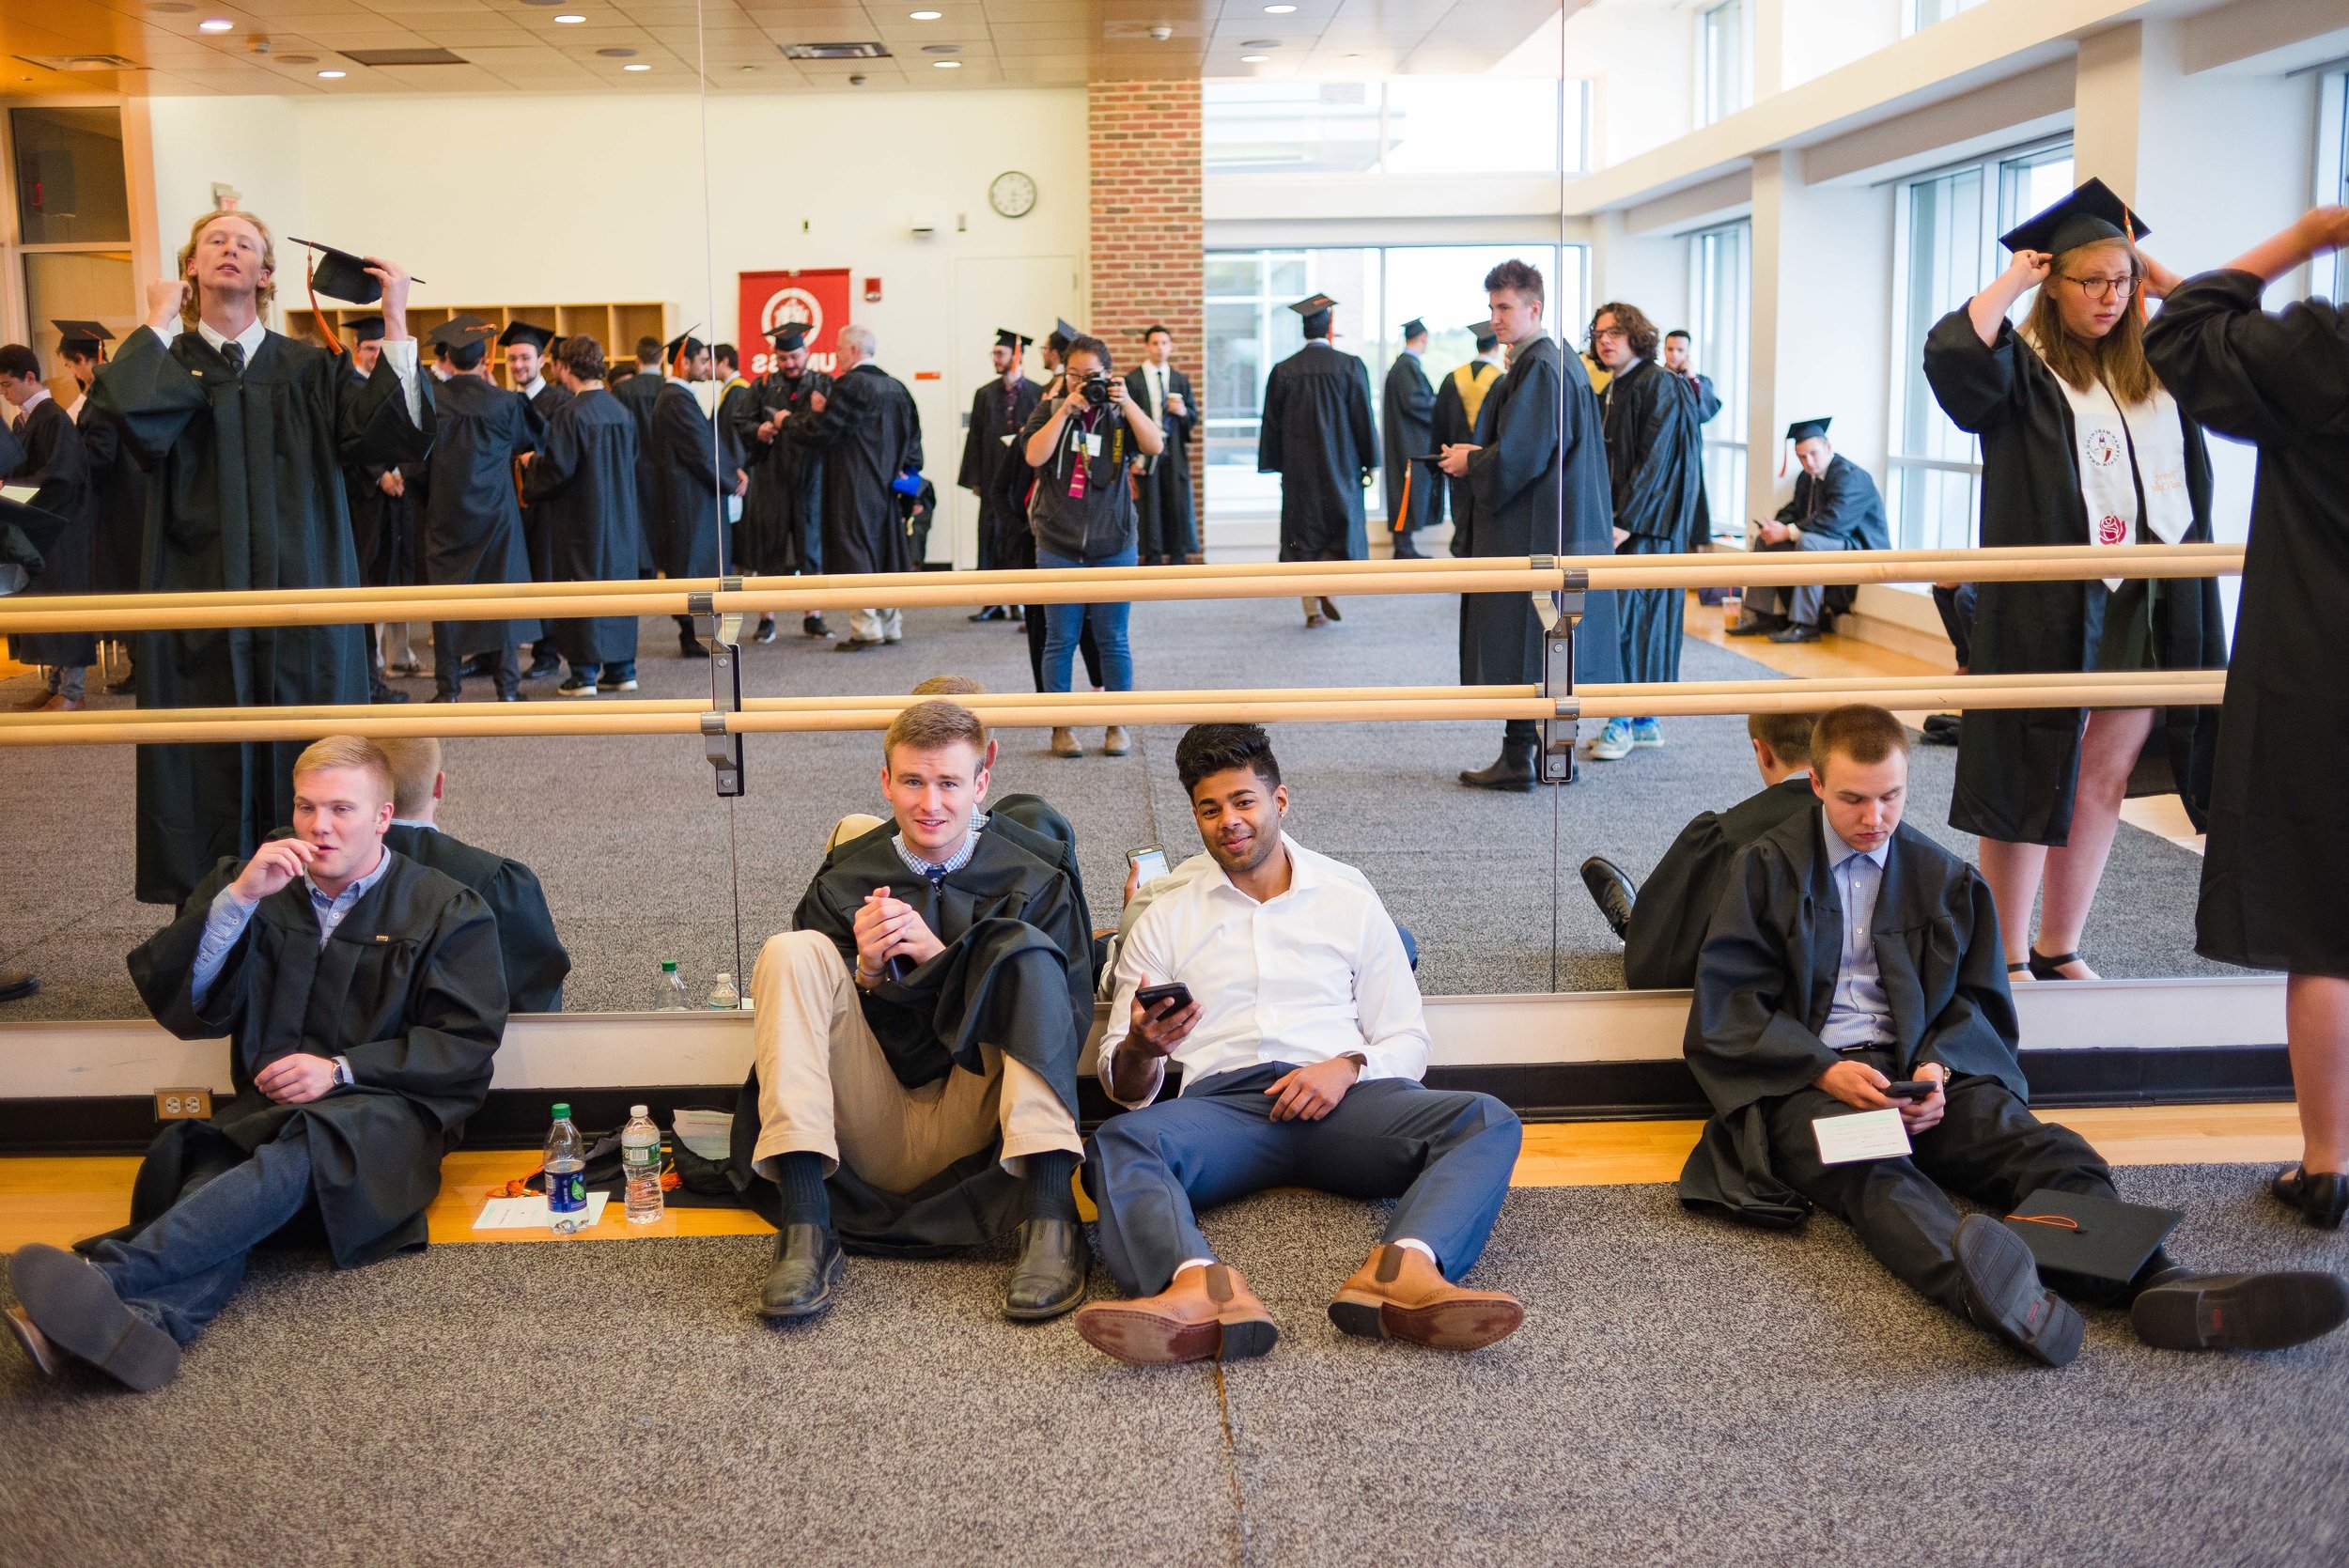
1254	59
214	24
567	18
333	75
1278	11
928	16
636	68
947	65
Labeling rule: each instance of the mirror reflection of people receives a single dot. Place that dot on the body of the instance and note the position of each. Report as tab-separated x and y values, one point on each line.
1849	952
363	1000
999	409
1302	1045
1168	520
55	465
1407	415
580	484
916	1041
258	458
1315	432
637	385
117	484
688	503
2081	444
2275	875
471	523
1835	506
1460	420
780	534
869	434
529	370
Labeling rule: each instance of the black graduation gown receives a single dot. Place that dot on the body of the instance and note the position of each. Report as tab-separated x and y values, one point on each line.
244	490
1016	973
1451	425
1842	509
1406	419
1766	976
117	501
1675	904
472	518
529	952
57	467
1540	488
1708	405
734	403
780	533
987	445
409	989
2017	767
636	393
868	433
690	504
537	537
582	485
1655	464
2276	877
384	528
1166	523
1317	436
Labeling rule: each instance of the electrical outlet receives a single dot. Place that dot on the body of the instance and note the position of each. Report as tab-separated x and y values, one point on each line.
182	1105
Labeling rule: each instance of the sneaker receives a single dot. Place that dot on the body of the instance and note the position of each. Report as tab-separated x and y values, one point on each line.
577	685
627	684
1646	732
1613	743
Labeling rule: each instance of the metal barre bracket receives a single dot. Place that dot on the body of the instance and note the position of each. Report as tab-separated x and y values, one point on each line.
724	750
1560	613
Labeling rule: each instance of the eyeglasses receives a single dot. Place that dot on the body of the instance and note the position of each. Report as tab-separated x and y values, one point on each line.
2106	289
1599	334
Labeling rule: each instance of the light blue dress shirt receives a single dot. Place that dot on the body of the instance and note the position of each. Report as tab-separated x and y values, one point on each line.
938	872
1859	1015
226	921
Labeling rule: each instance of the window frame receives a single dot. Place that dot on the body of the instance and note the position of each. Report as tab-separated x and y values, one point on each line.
1736	391
1712	105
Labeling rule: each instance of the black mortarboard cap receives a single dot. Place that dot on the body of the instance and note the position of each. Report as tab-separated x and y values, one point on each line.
364	329
1483	333
43	528
81	337
1312	304
526	332
1413	328
340	275
2089	213
2089	1247
460	330
789	338
685	343
1803	430
1006	338
1062	334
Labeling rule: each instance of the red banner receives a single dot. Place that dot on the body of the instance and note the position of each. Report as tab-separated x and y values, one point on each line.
816	297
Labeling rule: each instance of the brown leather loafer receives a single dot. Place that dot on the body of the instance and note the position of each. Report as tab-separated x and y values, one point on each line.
1399	1295
1207	1315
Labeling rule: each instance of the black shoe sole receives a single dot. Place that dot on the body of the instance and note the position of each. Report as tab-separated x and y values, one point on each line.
2259	1311
72	1303
12	993
833	1271
2003	1282
1514	786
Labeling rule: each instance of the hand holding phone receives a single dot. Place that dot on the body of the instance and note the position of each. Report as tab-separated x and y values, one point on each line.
1150	997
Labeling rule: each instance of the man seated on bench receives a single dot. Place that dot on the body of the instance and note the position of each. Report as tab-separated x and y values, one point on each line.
1661	921
534	956
362	999
916	1038
1850	954
1299	1033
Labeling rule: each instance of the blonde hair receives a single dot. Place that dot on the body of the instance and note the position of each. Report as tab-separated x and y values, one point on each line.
929	726
415	762
349	751
2117	357
190	311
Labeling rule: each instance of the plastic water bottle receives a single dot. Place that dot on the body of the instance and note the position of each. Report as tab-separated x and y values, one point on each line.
724	998
640	1161
669	995
567	1174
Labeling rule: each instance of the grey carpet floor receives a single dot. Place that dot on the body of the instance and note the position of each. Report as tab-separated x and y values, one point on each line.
1683	1392
641	862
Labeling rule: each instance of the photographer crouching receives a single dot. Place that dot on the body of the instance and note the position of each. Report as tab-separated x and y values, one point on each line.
1083	514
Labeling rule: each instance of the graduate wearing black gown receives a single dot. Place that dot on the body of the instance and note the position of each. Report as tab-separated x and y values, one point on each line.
583	483
868	433
1656	472
472	521
999	411
117	484
637	393
689	501
1677	899
1406	412
245	490
781	533
1462	414
1318	435
529	951
56	466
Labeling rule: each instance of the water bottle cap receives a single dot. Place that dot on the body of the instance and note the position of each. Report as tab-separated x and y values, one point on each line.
562	1112
668	966
725	975
638	1110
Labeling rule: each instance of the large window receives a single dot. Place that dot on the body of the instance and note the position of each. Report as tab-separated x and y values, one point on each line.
1724	62
1948	247
1925	13
1410	125
73	223
1250	328
1720	277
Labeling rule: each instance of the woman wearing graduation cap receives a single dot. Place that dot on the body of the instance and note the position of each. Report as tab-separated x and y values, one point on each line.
2081	444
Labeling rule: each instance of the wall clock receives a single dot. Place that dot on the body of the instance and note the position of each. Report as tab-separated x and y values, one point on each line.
1012	195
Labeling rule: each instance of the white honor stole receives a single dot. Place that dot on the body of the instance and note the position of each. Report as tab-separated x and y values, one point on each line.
2119	445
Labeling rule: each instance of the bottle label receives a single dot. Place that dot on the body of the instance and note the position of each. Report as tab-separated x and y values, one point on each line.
642	1156
567	1191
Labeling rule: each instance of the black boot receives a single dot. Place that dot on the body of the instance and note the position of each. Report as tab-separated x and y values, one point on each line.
1513	771
807	1265
1050	1277
1612	890
689	645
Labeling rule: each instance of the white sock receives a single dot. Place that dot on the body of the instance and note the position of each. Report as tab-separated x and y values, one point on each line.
1422	1249
1189	1263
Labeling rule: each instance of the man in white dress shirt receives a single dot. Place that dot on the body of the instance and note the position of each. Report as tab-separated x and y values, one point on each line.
1301	1046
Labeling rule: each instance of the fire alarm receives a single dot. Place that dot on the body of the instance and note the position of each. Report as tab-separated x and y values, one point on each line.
872	291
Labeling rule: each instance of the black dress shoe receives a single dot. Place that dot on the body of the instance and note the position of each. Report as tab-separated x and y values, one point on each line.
1050	1277
76	1309
807	1265
2003	1294
2239	1312
2322	1199
16	983
1612	889
541	667
385	694
1754	625
1329	608
1513	771
1797	632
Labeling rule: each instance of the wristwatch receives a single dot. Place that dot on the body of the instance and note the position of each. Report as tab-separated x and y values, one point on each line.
342	1073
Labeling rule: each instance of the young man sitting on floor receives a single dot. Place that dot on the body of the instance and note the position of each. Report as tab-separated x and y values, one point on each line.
1301	1046
915	1086
1850	951
362	998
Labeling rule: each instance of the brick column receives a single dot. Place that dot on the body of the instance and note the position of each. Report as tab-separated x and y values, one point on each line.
1145	255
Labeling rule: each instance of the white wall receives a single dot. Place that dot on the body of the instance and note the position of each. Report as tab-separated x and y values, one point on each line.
253	145
1639	55
1817	36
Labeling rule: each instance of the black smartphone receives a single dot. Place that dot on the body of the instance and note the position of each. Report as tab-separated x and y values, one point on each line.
1912	1088
1149	863
1150	996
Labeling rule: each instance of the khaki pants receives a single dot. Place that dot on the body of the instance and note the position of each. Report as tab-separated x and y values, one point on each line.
825	1088
876	626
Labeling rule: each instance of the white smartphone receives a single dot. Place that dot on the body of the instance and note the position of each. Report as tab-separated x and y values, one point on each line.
1149	863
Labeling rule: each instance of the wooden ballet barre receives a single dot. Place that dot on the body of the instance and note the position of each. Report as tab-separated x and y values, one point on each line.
655	717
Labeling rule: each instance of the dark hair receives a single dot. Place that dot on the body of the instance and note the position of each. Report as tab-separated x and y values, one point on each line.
1637	328
1864	733
723	353
1516	276
467	356
1787	733
1207	750
1085	343
583	356
1680	333
648	348
17	360
1150	331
